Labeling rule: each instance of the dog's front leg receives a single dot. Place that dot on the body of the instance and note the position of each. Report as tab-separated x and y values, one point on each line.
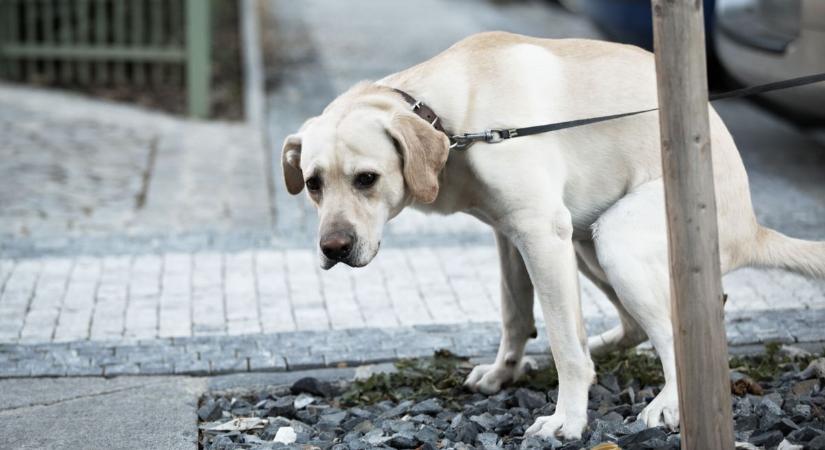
545	242
516	320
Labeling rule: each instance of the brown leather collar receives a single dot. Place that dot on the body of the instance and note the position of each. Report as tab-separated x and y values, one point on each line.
423	111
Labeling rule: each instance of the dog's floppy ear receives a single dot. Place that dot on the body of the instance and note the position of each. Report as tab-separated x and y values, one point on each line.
291	160
423	151
291	163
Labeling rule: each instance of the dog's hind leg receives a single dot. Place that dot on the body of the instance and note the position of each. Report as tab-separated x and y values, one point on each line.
627	334
631	246
517	323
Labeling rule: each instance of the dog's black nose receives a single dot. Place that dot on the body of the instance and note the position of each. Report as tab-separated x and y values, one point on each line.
337	245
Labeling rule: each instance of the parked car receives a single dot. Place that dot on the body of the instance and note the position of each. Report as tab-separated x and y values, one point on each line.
628	21
760	41
631	22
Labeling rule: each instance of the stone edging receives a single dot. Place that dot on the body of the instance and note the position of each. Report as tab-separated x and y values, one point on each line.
214	355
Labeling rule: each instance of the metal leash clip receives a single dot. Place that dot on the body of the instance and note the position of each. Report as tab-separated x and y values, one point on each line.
464	141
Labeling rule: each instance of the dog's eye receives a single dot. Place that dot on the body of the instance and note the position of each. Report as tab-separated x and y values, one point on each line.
313	184
365	180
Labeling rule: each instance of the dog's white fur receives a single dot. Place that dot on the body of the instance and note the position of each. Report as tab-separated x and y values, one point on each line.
592	194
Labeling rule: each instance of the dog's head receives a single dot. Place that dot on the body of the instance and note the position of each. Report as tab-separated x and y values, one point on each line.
364	159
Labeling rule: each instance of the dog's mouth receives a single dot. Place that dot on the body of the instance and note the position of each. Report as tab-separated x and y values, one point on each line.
327	263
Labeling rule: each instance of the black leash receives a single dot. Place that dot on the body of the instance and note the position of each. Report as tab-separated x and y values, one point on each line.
493	136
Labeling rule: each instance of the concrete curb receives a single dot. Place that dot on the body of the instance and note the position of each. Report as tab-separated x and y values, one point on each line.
303	350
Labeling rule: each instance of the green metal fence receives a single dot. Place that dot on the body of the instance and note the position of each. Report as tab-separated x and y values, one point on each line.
109	42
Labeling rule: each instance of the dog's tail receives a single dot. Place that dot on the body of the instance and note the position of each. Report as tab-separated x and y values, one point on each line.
774	249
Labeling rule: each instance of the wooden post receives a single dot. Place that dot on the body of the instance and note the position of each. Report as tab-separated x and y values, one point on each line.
695	278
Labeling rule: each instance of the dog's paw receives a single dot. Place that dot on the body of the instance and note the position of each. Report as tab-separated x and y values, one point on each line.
489	378
558	425
663	410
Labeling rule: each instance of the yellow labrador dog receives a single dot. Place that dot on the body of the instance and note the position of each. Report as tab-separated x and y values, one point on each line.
588	198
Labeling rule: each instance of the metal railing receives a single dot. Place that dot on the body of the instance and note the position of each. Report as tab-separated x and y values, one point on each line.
109	42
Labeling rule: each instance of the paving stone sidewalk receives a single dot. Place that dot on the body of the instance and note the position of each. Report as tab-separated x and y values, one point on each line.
83	176
264	291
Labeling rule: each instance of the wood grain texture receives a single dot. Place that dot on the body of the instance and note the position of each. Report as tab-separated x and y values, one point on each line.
696	289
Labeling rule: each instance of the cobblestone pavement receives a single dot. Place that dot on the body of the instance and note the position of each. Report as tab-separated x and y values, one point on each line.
169	254
265	291
85	176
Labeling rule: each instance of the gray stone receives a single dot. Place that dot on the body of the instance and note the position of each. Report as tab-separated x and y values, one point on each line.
488	440
422	418
746	422
486	421
504	423
631	428
396	426
271	430
742	406
769	421
210	411
801	412
570	445
462	430
776	397
282	406
376	437
610	382
430	406
240	407
603	430
817	443
311	385
640	438
785	426
403	439
427	434
530	399
364	426
613	417
770	406
599	393
805	434
767	439
532	443
333	419
302	401
397	410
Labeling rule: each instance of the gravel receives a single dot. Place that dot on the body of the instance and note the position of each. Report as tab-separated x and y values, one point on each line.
788	414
